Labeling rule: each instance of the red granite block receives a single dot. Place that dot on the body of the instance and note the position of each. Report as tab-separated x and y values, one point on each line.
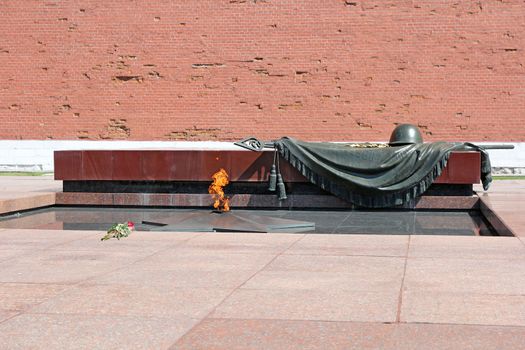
84	198
66	198
127	165
186	166
200	165
289	173
157	199
447	202
159	165
128	199
240	200
191	200
213	161
95	198
462	168
250	166
256	166
97	165
68	165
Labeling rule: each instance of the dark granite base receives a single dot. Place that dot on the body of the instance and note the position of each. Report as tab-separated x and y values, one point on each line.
200	187
187	187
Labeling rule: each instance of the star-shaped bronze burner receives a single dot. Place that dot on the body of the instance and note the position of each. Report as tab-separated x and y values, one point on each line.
215	221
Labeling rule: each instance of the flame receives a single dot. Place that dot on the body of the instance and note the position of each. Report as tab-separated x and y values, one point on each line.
220	179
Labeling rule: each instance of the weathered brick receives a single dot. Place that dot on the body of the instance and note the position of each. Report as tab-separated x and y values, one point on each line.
223	70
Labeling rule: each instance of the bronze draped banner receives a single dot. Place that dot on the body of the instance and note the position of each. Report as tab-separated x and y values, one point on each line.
374	177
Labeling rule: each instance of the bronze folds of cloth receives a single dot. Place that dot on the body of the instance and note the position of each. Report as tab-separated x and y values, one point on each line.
373	177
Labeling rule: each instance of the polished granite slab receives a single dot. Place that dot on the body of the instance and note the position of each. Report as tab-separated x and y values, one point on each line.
199	165
390	222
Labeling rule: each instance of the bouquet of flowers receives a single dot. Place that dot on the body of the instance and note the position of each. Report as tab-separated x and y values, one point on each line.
119	230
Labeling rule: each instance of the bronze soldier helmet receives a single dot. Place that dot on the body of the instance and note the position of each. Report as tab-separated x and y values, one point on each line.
405	134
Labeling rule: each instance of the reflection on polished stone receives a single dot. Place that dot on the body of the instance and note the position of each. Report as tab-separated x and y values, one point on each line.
387	222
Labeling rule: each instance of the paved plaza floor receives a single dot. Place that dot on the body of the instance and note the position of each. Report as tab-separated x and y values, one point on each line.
68	290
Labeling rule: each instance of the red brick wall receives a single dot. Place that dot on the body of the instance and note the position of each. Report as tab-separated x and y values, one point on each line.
225	69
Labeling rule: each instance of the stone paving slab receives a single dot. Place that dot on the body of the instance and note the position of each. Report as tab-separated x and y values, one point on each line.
463	308
332	281
137	241
336	244
24	184
12	253
498	196
26	192
466	247
361	266
333	273
483	276
170	237
310	304
22	296
245	243
40	331
514	220
506	200
226	277
31	239
182	258
144	300
177	278
16	195
64	266
6	314
292	334
66	289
